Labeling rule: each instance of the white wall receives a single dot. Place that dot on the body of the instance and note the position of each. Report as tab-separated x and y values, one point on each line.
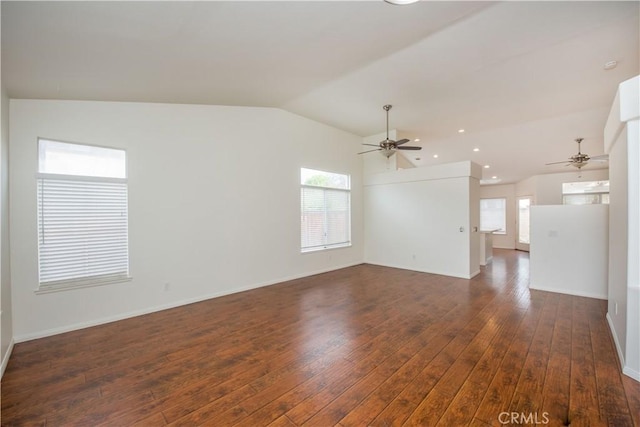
569	249
527	187
413	219
402	162
618	238
622	143
506	191
6	328
632	363
473	220
214	201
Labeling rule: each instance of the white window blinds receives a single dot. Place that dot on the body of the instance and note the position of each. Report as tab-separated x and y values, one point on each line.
493	215
82	220
325	210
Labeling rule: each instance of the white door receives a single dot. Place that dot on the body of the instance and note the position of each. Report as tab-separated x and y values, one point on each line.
522	223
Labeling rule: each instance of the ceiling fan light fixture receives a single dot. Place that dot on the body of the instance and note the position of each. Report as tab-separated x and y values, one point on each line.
401	2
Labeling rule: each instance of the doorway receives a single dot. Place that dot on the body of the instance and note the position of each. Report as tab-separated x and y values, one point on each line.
522	223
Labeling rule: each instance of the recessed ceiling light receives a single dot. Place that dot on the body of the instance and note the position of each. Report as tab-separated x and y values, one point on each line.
416	140
610	65
476	149
435	156
460	130
494	177
401	2
487	166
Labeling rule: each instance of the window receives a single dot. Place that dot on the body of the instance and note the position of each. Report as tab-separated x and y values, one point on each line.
325	210
82	215
493	215
585	193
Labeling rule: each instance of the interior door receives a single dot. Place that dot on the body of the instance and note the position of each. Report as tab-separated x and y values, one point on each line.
522	223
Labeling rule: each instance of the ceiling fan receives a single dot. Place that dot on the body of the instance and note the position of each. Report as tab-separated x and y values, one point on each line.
581	159
388	147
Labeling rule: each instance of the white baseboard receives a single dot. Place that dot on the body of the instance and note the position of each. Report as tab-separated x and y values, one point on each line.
615	340
413	268
570	292
174	304
631	373
625	369
5	358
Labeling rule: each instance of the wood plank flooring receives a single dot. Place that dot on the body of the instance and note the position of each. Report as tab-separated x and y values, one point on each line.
366	345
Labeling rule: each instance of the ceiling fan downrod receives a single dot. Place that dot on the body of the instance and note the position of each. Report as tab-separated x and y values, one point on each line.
387	108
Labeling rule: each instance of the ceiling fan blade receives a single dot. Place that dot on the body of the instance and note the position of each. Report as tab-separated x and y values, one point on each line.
379	149
557	163
402	141
601	158
372	145
409	148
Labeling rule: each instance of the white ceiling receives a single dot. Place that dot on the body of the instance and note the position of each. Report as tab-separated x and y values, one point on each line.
522	78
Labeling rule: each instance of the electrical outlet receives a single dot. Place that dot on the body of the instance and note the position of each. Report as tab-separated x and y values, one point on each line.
167	286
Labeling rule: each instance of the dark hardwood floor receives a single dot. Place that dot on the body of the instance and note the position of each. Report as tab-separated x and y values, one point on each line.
365	345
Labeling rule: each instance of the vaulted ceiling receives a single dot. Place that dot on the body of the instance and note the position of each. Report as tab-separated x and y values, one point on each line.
524	79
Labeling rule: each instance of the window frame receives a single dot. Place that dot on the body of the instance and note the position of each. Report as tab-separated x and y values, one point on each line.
325	189
42	177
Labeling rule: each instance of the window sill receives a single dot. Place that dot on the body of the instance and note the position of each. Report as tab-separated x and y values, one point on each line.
71	285
325	248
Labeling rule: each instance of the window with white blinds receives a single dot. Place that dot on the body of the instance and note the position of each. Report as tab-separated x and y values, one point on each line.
82	215
493	215
325	210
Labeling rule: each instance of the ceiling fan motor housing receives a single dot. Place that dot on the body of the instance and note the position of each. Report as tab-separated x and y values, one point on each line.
579	160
